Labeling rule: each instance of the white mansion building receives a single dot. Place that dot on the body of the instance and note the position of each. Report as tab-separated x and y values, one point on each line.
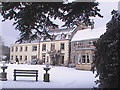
69	46
45	50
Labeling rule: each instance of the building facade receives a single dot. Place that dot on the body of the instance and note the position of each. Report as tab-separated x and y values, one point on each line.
31	51
82	54
69	46
82	47
54	51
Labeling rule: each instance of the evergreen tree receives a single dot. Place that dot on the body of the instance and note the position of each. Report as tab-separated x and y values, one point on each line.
107	54
4	50
31	18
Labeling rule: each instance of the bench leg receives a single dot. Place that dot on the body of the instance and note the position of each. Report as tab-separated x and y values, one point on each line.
37	78
14	78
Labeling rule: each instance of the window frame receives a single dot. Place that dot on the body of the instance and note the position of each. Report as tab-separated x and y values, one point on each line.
26	57
79	59
43	47
16	49
62	47
84	59
21	48
26	48
12	49
21	57
52	46
11	57
34	48
87	57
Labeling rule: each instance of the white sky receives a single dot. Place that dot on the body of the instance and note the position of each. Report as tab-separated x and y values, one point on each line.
10	35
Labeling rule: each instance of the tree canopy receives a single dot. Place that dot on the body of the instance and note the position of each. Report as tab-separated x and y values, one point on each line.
107	58
31	18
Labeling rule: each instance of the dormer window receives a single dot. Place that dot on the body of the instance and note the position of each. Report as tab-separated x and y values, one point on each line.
53	37
63	36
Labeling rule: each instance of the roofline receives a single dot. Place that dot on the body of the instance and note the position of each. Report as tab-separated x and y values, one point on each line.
84	49
56	40
38	42
84	39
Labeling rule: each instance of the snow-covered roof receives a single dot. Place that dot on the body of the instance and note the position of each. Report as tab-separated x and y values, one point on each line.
60	31
87	34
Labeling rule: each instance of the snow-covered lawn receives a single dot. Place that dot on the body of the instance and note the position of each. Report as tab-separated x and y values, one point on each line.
60	77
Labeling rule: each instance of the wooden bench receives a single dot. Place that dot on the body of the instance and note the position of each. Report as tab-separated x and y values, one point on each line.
25	73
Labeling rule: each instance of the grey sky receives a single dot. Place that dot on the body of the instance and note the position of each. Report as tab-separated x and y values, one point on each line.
10	35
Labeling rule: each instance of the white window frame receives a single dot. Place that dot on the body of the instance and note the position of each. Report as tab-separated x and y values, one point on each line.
62	46
34	48
16	49
25	57
21	48
82	59
87	58
11	57
79	58
12	49
21	57
43	47
26	48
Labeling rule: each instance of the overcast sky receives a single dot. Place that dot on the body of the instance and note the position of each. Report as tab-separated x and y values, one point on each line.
10	35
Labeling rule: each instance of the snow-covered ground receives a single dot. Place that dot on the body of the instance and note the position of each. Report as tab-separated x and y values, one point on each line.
60	77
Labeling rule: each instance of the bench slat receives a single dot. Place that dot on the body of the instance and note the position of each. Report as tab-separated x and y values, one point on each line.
26	72
26	75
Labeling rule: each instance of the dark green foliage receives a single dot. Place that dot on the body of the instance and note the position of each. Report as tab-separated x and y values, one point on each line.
31	17
107	54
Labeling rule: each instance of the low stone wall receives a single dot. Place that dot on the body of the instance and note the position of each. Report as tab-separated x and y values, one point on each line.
83	67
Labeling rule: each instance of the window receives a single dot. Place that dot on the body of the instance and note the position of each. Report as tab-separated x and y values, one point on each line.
11	57
43	47
16	49
53	37
91	42
47	59
62	47
79	58
26	48
52	46
12	49
88	58
15	56
83	58
63	36
34	48
43	58
62	61
25	57
20	57
33	57
93	57
21	49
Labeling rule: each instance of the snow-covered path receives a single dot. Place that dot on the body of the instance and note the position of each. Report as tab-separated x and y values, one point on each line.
60	77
